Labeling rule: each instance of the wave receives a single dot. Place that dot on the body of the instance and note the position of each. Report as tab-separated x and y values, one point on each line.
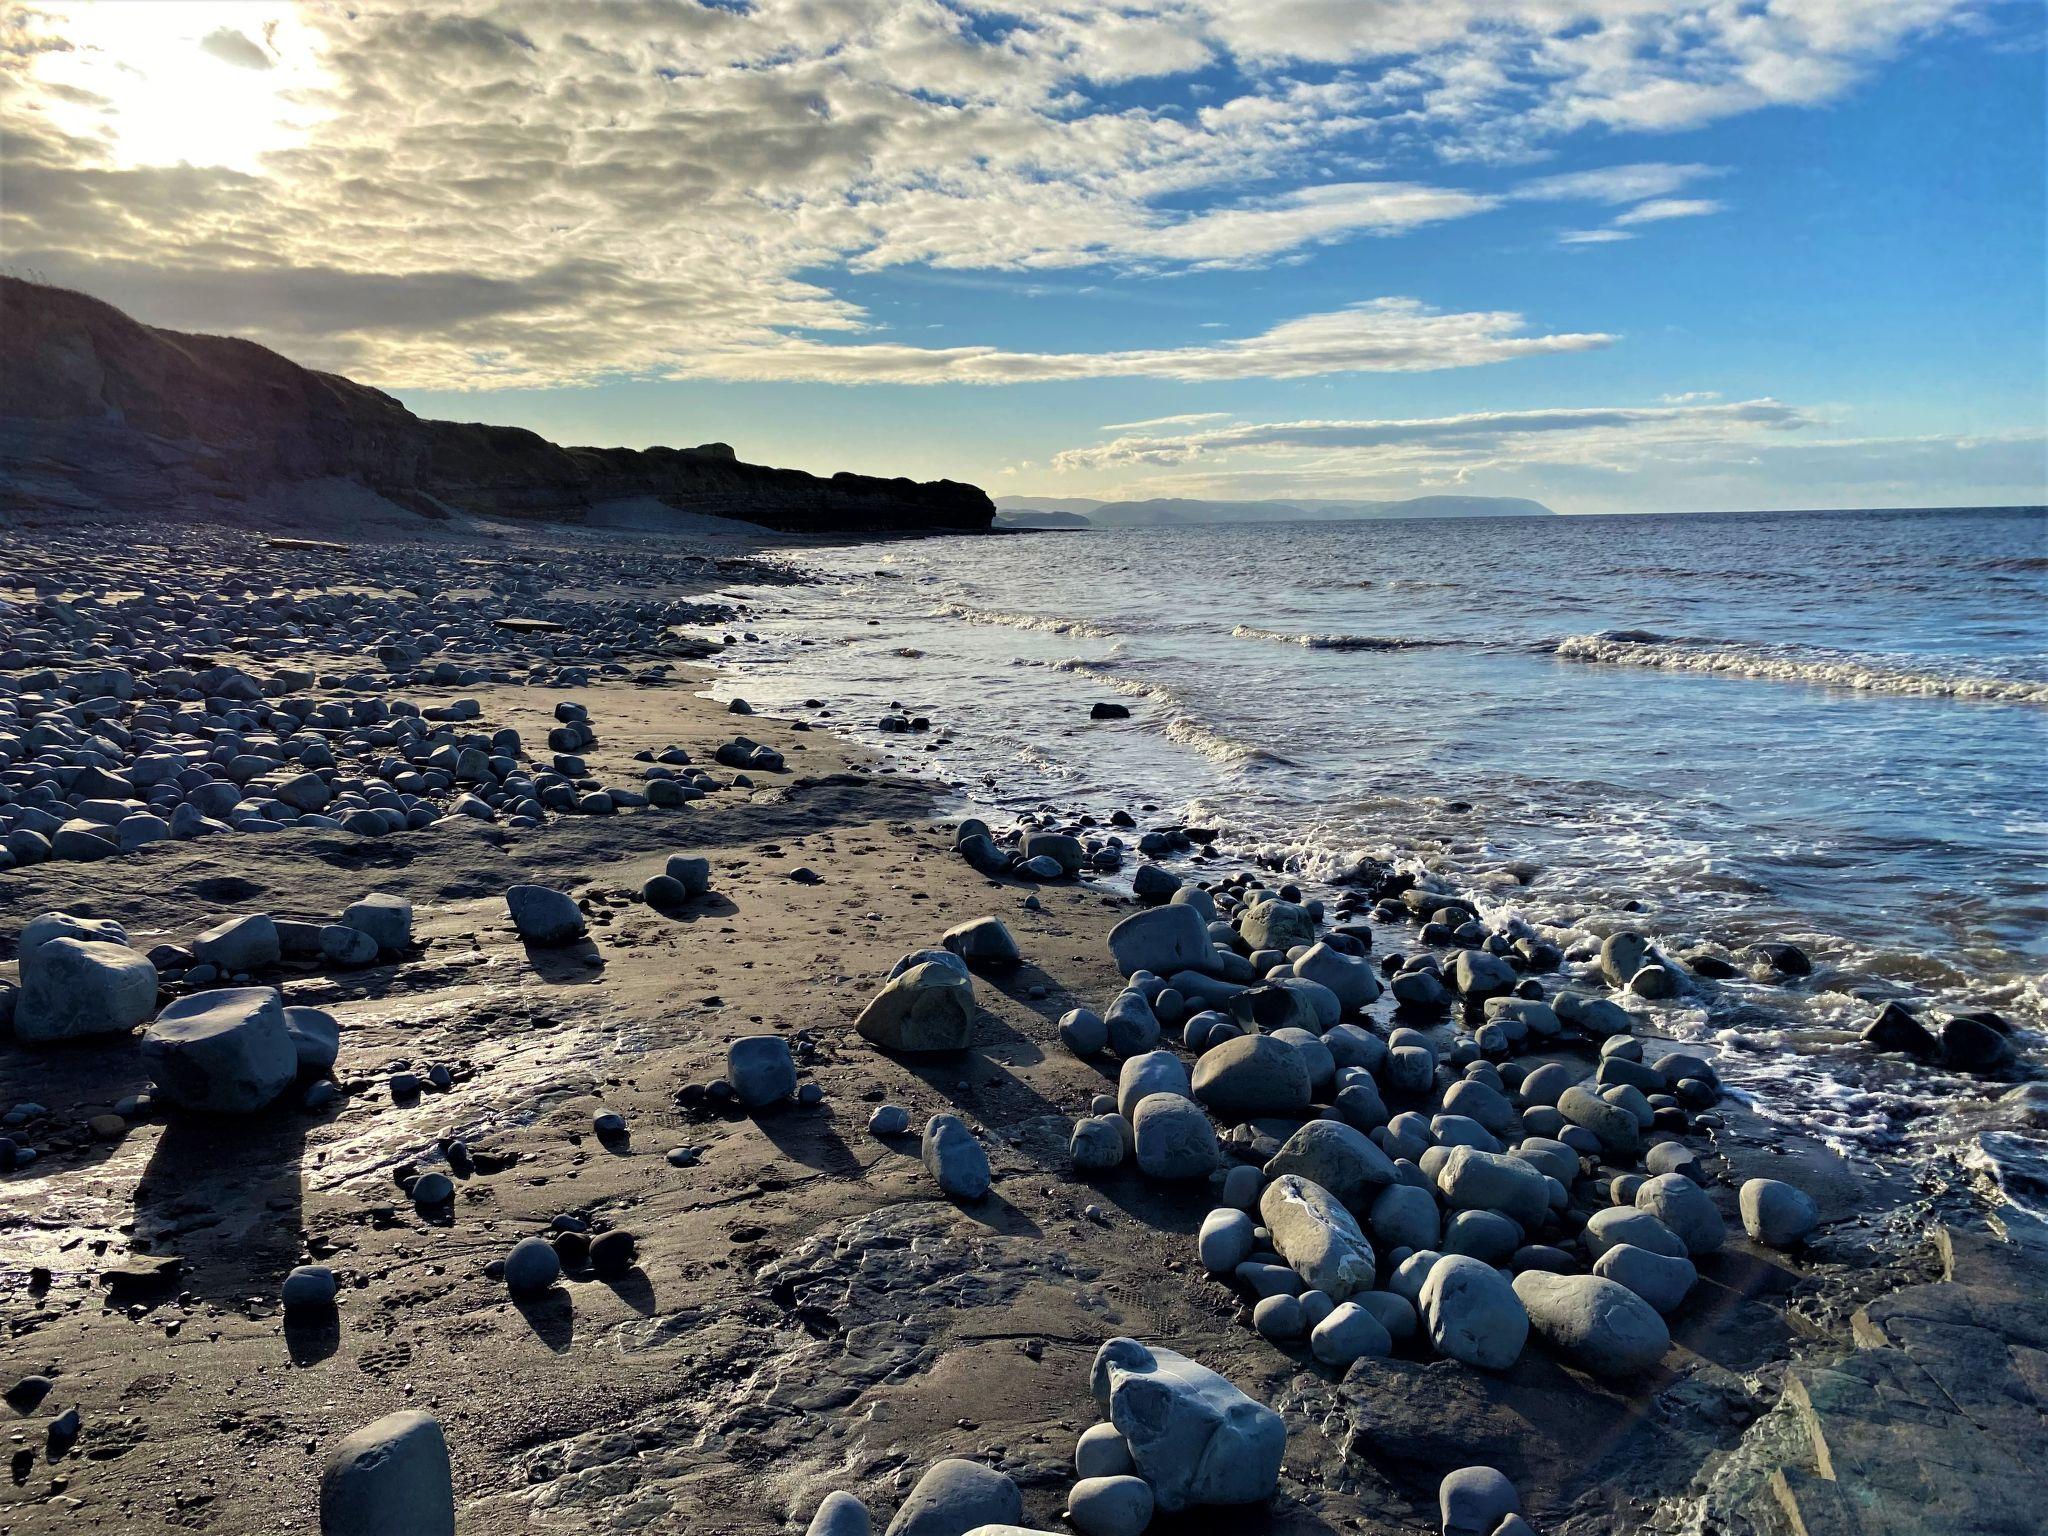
1639	648
1335	642
1177	720
1046	623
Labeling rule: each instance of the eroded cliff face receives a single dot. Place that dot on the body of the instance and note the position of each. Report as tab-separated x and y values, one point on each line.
100	410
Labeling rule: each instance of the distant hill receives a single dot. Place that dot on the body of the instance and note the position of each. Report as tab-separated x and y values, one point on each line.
1037	519
1171	511
101	412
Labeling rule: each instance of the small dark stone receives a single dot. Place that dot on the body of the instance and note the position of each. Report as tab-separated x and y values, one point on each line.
612	1254
1894	1029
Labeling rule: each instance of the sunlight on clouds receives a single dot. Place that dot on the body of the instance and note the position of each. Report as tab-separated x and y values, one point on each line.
170	82
485	194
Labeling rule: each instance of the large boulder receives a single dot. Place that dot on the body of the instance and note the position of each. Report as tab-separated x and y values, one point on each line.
1318	1238
62	925
927	1010
71	988
1776	1214
239	944
1142	1076
1162	940
316	1038
984	942
389	1477
954	1158
1192	1435
225	1052
1596	1324
384	917
544	915
1354	980
1251	1076
761	1070
1472	1180
1276	924
1337	1157
956	1496
1619	1132
1174	1138
1473	1315
1686	1209
1658	1278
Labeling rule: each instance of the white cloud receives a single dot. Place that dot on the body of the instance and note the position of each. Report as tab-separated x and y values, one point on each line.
1668	208
1697	451
1462	438
1593	236
480	193
1614	183
1383	336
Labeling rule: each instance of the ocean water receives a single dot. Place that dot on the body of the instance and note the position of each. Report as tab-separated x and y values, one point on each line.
1829	728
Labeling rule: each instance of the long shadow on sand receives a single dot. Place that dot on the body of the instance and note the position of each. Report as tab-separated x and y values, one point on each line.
808	1136
580	964
696	908
551	1316
224	1193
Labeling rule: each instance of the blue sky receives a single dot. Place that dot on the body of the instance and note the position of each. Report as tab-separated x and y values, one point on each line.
1616	257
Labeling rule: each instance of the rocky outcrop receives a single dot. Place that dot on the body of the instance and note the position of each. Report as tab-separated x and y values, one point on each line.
98	410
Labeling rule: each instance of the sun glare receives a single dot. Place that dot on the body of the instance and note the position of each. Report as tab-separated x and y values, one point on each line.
169	82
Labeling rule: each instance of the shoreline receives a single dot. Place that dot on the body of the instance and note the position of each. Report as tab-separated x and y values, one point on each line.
764	1354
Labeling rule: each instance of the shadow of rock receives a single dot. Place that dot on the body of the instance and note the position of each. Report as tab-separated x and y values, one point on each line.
808	1136
312	1337
567	965
999	1216
696	908
224	1193
552	1316
634	1289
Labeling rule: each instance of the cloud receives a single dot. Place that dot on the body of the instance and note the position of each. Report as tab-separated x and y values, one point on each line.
1383	336
1614	183
231	47
1593	236
1668	208
1187	419
1463	439
661	187
1697	452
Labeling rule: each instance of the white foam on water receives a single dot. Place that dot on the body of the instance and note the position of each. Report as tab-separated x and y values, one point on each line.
1045	623
1776	665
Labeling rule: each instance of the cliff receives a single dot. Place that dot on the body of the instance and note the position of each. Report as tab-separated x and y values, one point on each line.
100	410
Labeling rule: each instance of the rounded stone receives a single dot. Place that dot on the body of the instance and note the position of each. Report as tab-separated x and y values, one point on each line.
1110	1506
760	1070
1775	1213
532	1266
1102	1451
308	1288
387	1477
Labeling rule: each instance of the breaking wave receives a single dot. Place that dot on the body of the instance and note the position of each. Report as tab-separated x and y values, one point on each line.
1638	648
1045	623
1176	718
1334	642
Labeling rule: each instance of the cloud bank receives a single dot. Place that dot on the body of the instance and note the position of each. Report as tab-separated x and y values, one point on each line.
490	193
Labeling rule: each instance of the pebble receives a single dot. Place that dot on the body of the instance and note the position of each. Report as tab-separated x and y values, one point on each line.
532	1266
889	1120
308	1288
1777	1214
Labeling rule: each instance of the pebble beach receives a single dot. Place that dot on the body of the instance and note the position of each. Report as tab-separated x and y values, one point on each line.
467	1068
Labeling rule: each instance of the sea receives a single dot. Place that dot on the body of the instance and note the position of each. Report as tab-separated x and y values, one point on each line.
1825	728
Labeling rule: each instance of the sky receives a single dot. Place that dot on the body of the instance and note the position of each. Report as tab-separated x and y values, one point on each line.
1614	255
